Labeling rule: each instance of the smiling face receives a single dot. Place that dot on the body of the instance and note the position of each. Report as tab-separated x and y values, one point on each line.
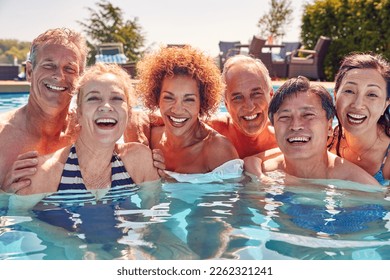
103	109
301	126
247	97
53	76
361	100
179	103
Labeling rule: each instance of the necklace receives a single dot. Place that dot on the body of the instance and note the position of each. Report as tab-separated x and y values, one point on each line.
359	156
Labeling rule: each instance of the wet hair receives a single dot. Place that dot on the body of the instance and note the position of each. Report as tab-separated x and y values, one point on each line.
61	36
247	60
365	61
185	61
294	86
99	69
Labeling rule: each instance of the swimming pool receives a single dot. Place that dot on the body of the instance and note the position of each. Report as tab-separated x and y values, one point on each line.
333	220
9	101
234	220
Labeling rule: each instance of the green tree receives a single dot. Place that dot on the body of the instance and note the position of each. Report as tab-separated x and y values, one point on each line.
353	26
273	23
107	25
10	48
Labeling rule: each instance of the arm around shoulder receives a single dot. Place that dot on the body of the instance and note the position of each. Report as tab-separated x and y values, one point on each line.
47	177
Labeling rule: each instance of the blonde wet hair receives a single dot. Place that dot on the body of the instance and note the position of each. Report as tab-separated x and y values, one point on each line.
100	69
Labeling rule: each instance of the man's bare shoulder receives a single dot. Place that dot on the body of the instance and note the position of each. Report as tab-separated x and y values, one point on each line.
219	122
8	118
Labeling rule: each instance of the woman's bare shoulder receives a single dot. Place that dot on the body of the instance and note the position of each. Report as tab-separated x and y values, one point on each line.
343	169
133	150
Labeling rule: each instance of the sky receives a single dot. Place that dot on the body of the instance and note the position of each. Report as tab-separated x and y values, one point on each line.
201	23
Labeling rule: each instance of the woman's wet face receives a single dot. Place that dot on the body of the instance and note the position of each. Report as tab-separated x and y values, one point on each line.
361	99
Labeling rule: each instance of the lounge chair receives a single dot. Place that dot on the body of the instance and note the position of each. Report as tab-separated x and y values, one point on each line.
255	49
226	50
311	66
113	53
281	60
110	53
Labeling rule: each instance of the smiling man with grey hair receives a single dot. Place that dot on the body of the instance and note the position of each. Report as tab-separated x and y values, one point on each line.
248	92
57	58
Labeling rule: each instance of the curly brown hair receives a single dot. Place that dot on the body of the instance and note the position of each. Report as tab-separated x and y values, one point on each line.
187	61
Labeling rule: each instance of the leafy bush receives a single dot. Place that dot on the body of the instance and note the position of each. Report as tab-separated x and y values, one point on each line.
107	25
353	25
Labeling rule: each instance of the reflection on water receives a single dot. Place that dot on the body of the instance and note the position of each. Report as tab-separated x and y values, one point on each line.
317	220
9	101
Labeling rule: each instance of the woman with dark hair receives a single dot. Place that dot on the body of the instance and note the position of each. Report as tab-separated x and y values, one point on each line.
362	94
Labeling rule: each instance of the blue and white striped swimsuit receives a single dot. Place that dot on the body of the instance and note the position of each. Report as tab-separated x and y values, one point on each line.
72	190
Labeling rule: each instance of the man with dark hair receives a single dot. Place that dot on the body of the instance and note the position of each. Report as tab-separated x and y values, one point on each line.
302	116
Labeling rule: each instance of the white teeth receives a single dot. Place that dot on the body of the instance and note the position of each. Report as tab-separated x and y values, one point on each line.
178	120
249	118
108	121
298	139
55	87
355	121
356	116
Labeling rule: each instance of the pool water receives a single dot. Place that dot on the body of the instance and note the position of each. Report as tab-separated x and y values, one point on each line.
235	220
9	101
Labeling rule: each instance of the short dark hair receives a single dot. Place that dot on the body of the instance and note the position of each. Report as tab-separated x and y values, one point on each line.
300	85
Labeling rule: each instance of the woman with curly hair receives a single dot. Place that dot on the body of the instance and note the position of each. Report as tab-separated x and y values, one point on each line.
185	85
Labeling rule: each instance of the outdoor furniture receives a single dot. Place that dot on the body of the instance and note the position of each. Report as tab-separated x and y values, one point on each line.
255	49
311	66
226	50
281	60
130	68
110	53
9	72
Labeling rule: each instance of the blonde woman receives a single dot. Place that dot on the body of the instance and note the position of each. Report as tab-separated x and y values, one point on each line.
95	161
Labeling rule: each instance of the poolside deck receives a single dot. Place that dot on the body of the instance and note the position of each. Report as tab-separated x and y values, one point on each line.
14	86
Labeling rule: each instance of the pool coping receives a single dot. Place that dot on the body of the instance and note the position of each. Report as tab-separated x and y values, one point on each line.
9	86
